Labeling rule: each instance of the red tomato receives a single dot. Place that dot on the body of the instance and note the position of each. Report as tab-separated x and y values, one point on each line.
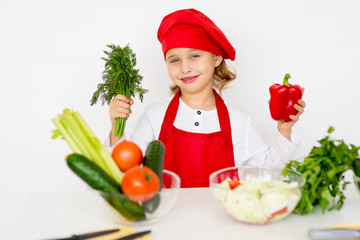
233	184
127	155
140	180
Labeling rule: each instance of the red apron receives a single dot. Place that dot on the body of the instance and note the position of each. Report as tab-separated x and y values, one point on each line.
194	156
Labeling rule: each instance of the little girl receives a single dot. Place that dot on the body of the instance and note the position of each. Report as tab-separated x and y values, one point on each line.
201	132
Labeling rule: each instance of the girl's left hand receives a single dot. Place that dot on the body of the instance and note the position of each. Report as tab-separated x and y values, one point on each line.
285	127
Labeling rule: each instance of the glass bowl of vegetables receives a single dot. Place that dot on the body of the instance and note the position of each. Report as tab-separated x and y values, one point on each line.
142	209
256	195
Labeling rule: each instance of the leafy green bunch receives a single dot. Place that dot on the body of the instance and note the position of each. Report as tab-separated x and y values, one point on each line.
119	77
323	170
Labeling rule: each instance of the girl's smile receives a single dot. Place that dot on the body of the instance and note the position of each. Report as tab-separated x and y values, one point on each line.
189	79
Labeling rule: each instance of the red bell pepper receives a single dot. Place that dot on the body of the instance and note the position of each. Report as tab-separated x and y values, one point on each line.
282	99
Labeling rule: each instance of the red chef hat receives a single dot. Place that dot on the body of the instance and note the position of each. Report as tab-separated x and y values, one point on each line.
190	28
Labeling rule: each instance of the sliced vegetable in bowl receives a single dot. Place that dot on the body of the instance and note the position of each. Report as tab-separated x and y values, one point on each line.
255	195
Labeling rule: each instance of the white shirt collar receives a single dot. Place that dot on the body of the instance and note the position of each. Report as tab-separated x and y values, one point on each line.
186	107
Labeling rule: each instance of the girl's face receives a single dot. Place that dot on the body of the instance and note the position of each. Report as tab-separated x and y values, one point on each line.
191	69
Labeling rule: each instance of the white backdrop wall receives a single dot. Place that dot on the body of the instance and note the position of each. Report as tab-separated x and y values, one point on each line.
50	59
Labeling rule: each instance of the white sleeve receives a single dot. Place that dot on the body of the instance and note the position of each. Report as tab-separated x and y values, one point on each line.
280	151
144	132
283	150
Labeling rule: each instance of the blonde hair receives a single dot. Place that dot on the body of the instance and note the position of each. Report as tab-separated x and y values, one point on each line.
222	77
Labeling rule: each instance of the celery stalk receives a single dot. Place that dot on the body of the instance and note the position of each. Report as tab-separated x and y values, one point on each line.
107	159
65	134
81	139
74	135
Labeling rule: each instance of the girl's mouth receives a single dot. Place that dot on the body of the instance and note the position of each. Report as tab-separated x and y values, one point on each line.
189	79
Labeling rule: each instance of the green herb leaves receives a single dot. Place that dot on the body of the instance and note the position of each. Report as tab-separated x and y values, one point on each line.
120	77
323	170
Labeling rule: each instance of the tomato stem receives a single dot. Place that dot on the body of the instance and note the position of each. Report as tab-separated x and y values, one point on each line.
147	176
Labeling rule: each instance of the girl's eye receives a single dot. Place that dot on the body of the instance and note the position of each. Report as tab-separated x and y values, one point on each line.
175	60
195	56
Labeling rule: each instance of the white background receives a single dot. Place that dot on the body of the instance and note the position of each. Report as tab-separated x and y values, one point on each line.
50	59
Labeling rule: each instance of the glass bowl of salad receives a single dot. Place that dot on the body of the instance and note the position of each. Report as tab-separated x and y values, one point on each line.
256	195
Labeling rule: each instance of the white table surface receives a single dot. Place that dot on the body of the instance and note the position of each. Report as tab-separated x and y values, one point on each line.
195	215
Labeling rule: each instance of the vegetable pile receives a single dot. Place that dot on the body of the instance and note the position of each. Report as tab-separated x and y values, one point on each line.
120	77
323	170
134	190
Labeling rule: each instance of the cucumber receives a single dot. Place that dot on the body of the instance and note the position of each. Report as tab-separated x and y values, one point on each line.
92	174
98	179
130	210
152	204
154	159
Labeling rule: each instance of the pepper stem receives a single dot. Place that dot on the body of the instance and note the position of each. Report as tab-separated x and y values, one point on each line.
286	79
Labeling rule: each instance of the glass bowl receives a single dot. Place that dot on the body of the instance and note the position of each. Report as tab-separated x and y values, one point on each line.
143	209
263	195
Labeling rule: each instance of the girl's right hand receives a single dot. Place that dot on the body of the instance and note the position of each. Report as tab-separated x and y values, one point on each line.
119	107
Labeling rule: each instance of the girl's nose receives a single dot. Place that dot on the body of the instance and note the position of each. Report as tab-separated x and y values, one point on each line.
186	67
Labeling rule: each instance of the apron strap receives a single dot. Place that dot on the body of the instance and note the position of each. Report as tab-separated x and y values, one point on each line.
169	117
224	121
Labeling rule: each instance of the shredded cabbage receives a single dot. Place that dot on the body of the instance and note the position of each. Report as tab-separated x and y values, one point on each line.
258	202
